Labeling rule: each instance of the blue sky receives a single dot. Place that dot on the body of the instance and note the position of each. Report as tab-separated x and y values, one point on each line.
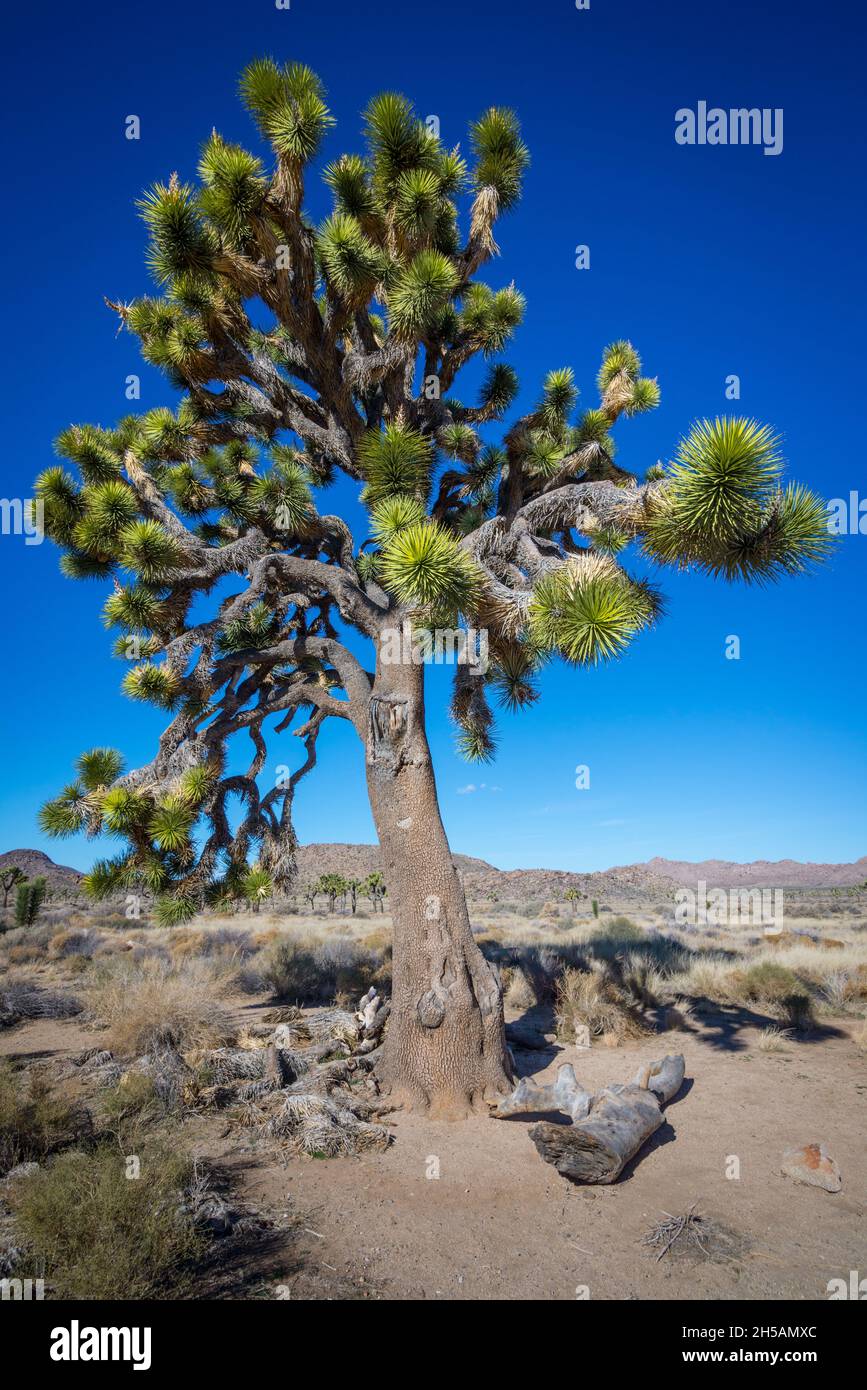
713	260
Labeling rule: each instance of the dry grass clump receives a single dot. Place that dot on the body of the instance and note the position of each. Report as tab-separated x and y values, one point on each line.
596	1000
96	1233
150	1004
518	990
21	999
229	943
774	986
25	954
74	943
774	1039
34	1120
303	970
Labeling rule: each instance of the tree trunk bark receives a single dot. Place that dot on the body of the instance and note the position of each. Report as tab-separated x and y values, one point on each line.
445	1048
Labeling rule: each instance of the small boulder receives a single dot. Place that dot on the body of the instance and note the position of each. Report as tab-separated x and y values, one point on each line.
813	1165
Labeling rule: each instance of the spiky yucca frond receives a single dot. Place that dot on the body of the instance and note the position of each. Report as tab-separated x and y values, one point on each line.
289	107
148	550
180	242
588	613
99	767
502	158
395	460
62	503
511	676
609	540
353	264
476	744
500	387
65	814
173	909
722	508
419	291
234	188
394	514
196	784
559	396
92	449
423	564
170	825
124	810
158	685
618	358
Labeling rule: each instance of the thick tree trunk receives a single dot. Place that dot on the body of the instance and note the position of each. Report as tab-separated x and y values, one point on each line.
445	1048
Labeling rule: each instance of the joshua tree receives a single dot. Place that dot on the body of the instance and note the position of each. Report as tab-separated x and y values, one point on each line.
306	352
333	886
9	879
374	888
28	901
352	887
572	895
311	893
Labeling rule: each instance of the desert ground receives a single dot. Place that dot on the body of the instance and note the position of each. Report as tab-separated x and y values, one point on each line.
122	1040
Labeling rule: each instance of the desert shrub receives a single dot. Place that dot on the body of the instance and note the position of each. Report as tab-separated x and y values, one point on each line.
248	979
38	935
768	982
229	942
304	970
98	1234
132	1102
595	999
25	955
22	999
151	1004
532	908
840	989
74	943
620	929
34	1120
643	979
774	985
518	991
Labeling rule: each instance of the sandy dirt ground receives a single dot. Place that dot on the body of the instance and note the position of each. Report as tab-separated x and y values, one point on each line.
498	1223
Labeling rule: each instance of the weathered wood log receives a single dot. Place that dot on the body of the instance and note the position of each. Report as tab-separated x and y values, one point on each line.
565	1094
664	1077
597	1148
605	1135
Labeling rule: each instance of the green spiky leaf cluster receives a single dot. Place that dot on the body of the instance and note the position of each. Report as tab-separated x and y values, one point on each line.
725	511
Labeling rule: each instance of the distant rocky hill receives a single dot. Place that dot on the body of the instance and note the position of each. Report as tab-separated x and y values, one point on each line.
62	881
482	880
762	873
657	880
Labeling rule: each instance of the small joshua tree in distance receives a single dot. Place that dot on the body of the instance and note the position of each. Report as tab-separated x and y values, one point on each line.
374	889
305	352
9	879
28	901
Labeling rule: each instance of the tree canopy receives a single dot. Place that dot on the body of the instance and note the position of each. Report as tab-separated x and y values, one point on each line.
304	351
